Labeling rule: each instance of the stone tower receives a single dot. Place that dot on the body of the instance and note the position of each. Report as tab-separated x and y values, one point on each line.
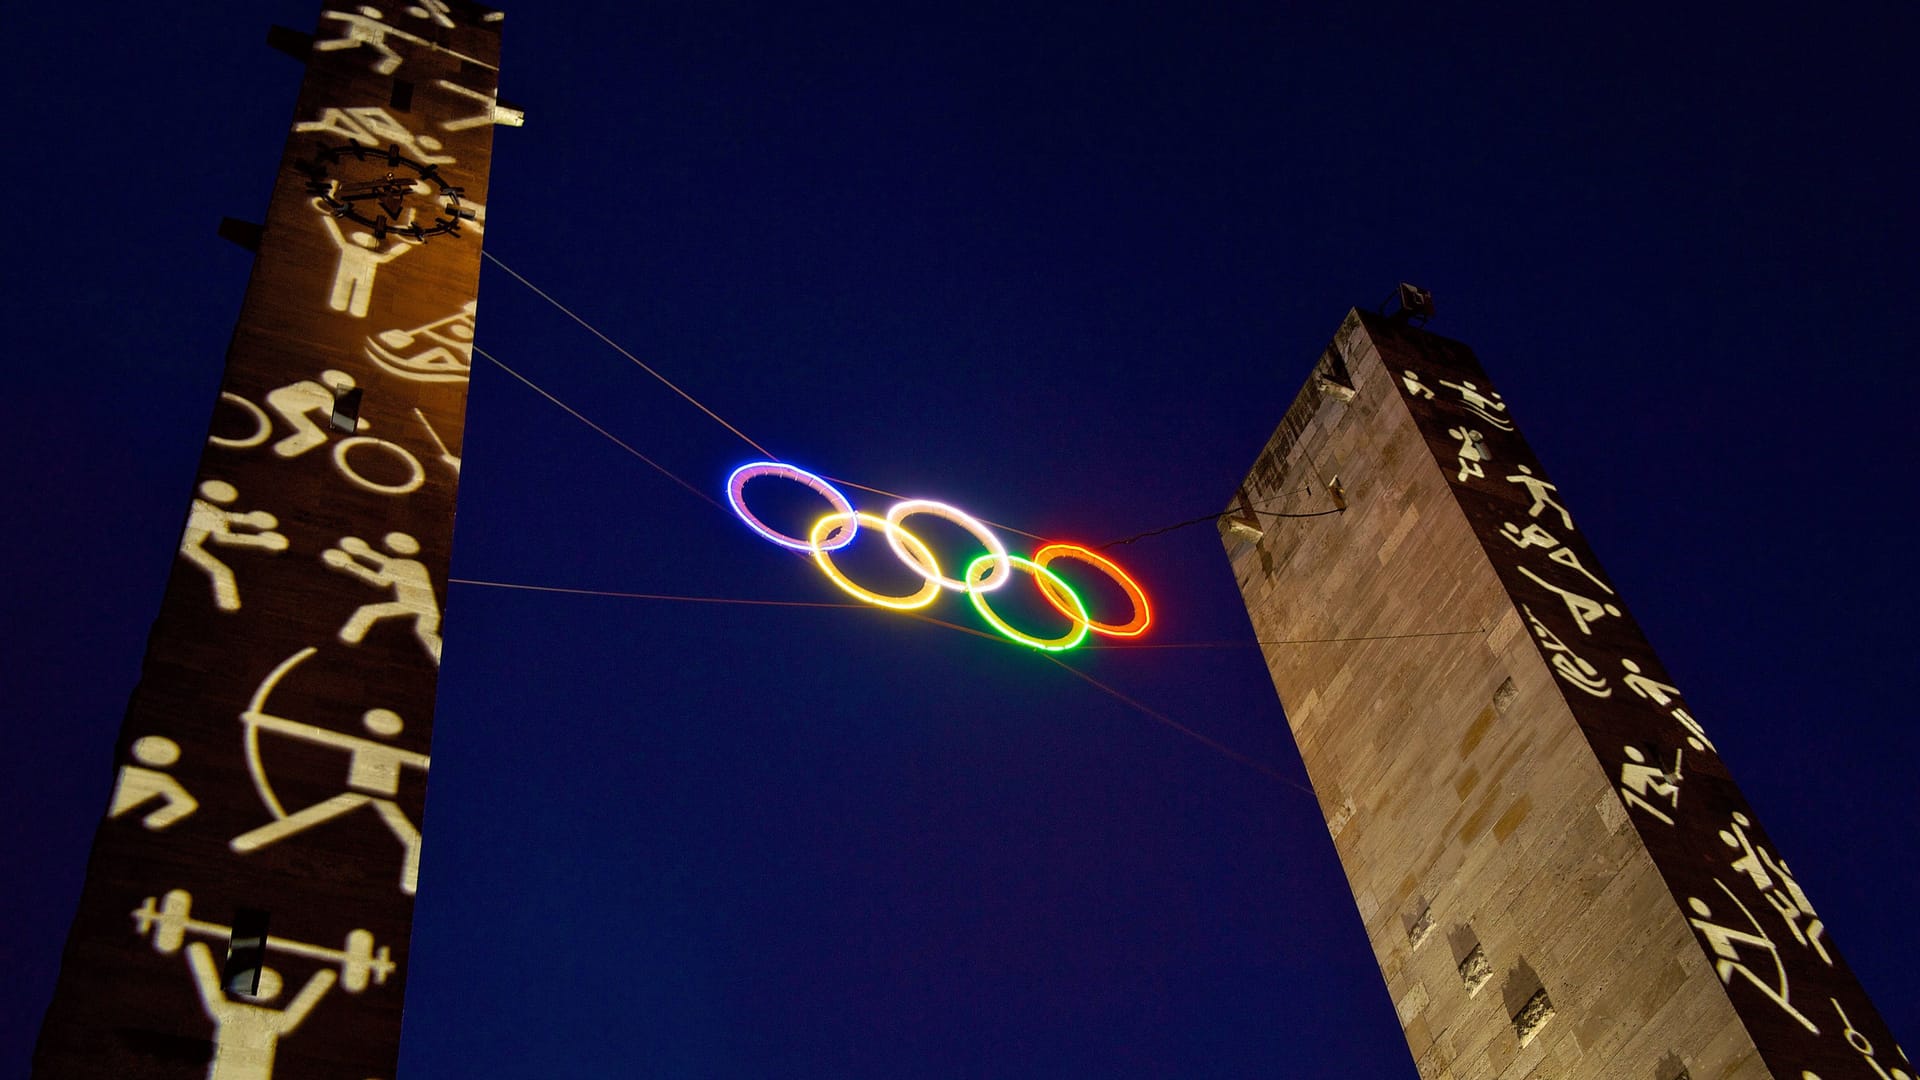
1557	876
249	895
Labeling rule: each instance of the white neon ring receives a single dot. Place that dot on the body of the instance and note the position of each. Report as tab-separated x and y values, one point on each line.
736	485
1002	565
929	589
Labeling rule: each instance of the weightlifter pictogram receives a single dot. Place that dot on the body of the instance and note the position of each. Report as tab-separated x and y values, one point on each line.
169	922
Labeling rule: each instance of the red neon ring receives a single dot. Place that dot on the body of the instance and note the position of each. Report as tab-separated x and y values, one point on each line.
1135	595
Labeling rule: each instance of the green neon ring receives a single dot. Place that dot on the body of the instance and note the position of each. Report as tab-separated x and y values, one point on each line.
1050	581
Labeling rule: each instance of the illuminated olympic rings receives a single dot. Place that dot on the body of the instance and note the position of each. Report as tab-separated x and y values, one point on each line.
986	573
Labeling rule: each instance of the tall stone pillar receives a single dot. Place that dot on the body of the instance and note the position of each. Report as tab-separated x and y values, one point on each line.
1558	876
250	892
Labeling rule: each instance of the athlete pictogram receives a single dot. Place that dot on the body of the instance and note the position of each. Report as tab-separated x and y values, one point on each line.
408	578
246	1030
360	257
139	785
374	767
210	522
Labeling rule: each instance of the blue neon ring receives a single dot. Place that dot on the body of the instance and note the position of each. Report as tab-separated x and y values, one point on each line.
736	485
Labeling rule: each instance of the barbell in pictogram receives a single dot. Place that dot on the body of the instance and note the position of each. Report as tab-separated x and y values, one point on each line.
171	921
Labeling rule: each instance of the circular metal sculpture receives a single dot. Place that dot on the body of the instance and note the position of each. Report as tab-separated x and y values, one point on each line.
374	189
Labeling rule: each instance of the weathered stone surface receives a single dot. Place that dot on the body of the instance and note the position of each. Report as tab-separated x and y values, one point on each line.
1478	780
274	754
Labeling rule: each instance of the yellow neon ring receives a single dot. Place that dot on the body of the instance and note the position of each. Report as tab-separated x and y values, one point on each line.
1135	595
921	554
1040	573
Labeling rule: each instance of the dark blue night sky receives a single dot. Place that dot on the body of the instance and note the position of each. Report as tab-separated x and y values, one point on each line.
1064	265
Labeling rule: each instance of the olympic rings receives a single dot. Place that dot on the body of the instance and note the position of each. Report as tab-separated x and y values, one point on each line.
736	496
1052	581
1002	568
1135	595
984	574
921	560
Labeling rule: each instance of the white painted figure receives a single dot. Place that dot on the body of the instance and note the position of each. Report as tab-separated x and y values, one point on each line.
142	783
342	460
480	119
1664	695
307	407
1661	694
408	578
1536	536
1749	862
1585	610
262	427
436	10
1568	664
373	771
1486	406
362	26
169	922
1696	735
1472	452
445	454
1565	557
1776	884
373	775
1531	536
1411	379
1864	1047
1639	781
359	260
1726	944
246	1031
1542	493
209	521
375	127
440	351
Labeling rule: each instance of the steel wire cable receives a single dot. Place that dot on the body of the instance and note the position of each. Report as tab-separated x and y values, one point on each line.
610	436
1153	714
595	331
717	418
1204	740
